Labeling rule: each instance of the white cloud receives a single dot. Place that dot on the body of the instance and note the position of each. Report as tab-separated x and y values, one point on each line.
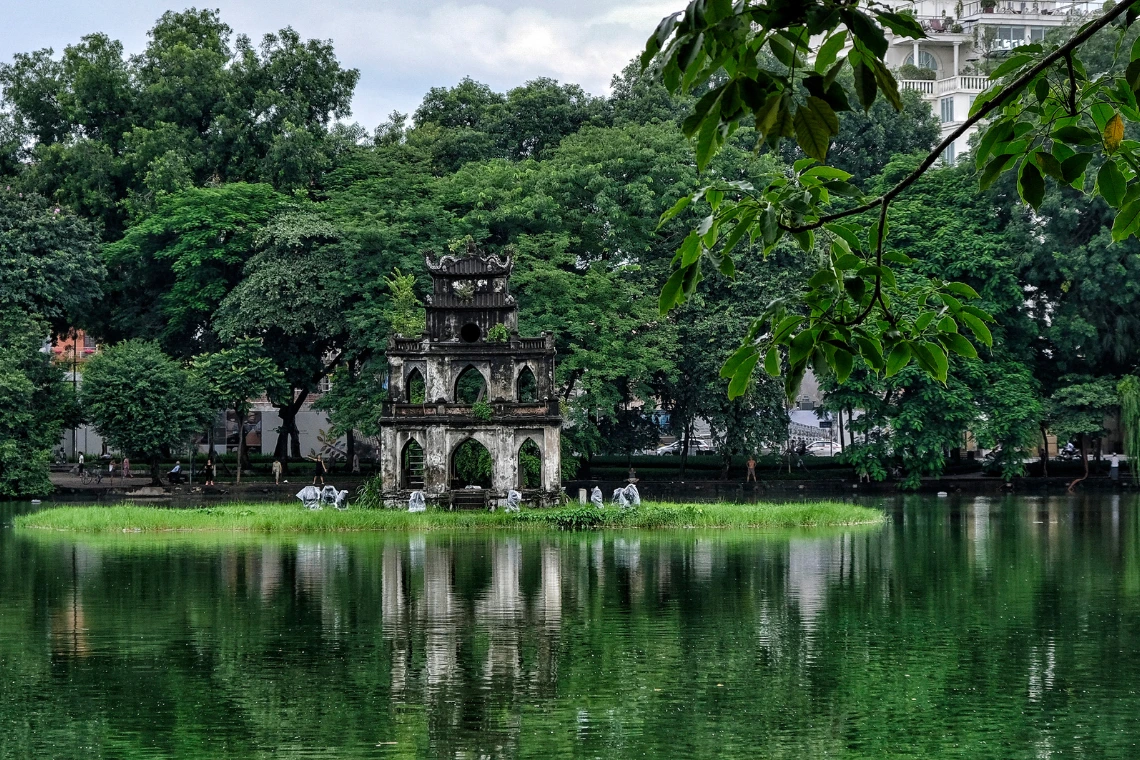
401	48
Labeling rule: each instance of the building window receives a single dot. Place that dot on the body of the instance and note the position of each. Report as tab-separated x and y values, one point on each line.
948	155
1037	33
925	60
1010	36
947	110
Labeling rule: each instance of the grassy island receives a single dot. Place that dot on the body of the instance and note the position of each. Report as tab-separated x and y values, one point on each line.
290	518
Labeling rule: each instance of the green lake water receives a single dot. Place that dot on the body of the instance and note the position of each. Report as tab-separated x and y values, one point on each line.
972	628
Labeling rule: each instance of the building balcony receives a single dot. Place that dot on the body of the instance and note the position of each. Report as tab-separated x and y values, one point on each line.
933	88
1022	11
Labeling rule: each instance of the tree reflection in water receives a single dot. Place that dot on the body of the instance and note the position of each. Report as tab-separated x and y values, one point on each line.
960	627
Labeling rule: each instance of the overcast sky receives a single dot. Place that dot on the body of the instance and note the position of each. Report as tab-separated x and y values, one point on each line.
401	48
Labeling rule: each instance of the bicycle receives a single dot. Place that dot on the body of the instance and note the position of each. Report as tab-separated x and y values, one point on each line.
89	476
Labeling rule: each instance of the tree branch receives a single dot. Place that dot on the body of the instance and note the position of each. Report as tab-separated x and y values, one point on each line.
1064	51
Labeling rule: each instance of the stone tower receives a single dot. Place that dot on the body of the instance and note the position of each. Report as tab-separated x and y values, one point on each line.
470	377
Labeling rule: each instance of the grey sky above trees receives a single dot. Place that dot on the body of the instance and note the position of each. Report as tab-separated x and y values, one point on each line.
401	48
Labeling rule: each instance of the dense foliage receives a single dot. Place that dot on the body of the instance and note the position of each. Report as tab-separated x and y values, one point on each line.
236	209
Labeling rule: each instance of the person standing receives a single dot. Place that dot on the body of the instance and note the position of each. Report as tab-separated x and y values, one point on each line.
277	471
1114	467
318	469
355	463
81	465
111	470
126	468
210	469
751	469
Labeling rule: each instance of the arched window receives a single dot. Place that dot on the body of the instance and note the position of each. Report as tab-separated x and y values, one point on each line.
412	466
526	388
530	465
470	465
926	60
470	386
415	387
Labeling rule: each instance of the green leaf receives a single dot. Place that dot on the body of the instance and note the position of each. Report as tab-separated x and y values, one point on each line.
690	249
899	358
924	320
870	352
829	50
948	325
743	374
959	345
1110	183
977	327
865	86
897	257
1049	164
866	30
1031	185
962	289
993	170
887	85
1126	221
677	208
767	115
801	347
1074	135
728	369
903	25
933	359
1074	166
998	133
1013	63
787	324
815	123
848	261
671	292
843	361
772	361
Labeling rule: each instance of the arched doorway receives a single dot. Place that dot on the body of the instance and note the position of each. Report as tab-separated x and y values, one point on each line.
412	466
470	465
530	465
470	386
526	388
416	388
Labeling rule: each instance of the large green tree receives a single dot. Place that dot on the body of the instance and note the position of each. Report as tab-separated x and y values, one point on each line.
108	134
234	377
34	404
174	267
49	260
143	402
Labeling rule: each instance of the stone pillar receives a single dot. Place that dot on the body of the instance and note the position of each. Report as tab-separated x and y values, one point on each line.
956	46
916	63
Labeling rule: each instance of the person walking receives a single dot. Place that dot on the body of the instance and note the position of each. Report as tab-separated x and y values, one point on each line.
81	465
277	471
318	468
126	473
751	469
111	470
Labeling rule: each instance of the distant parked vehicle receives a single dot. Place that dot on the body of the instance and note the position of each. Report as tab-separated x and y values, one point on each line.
821	448
696	446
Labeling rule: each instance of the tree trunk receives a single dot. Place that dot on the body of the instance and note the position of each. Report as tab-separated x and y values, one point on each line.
840	416
1085	461
686	433
1045	448
349	449
289	434
241	442
155	480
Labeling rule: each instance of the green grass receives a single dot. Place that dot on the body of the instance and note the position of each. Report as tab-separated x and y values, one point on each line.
285	518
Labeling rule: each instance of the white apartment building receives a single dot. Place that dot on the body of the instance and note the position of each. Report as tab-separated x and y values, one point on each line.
962	38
